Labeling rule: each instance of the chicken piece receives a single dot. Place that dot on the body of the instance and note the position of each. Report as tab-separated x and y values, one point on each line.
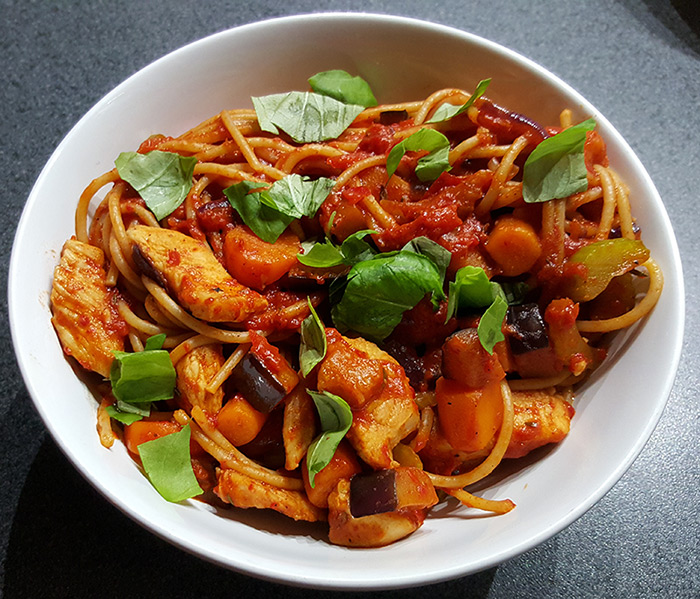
194	371
244	491
379	426
85	312
299	426
539	418
189	269
376	530
349	372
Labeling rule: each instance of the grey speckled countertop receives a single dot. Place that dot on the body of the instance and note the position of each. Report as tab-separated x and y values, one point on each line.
637	61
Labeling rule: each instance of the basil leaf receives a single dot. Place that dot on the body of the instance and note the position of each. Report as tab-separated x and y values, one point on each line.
142	377
313	341
155	341
429	167
326	255
489	329
427	247
163	179
380	290
123	417
336	418
297	196
167	464
470	289
266	222
269	211
139	409
556	167
305	116
447	111
342	86
321	255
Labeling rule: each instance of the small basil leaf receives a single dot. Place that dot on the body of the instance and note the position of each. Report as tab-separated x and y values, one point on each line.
431	249
556	167
167	464
163	179
355	249
297	196
321	255
123	417
336	418
305	116
380	290
489	329
266	222
142	377
141	409
313	341
447	111
342	86
155	341
429	167
326	254
470	289
269	211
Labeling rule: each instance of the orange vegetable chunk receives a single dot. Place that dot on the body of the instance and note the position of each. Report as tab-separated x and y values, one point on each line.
239	421
514	245
469	418
257	263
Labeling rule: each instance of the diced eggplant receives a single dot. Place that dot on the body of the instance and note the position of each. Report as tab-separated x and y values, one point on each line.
526	327
391	117
257	384
145	266
373	493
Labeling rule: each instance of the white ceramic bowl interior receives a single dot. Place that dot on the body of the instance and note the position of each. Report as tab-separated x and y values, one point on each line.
403	60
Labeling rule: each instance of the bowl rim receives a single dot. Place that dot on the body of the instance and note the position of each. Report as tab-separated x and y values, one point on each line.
405	580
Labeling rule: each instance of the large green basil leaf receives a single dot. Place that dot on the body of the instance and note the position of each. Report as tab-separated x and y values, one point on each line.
163	179
378	291
342	86
167	464
556	168
305	116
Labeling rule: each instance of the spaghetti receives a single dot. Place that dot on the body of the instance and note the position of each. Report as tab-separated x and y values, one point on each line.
431	405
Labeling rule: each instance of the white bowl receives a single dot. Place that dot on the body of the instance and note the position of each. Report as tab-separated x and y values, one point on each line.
402	59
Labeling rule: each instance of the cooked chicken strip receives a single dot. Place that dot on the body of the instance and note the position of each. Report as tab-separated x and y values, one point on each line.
245	492
194	371
85	313
539	419
193	274
389	416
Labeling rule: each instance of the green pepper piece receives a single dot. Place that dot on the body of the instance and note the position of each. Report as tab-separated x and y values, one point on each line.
603	261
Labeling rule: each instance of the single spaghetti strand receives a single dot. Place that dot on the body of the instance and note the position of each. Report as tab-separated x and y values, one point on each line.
609	202
501	175
81	212
225	371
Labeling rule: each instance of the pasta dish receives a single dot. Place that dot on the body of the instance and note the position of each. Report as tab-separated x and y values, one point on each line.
349	312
